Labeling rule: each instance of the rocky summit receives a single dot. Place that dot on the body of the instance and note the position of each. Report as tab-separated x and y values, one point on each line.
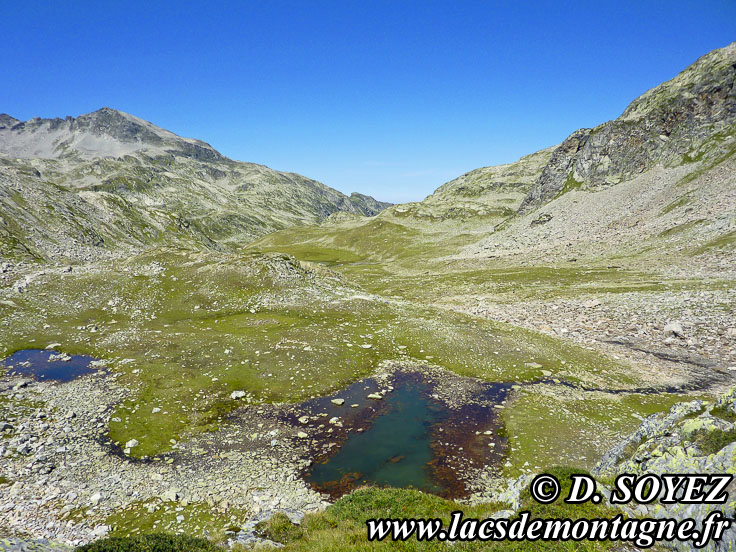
107	182
212	331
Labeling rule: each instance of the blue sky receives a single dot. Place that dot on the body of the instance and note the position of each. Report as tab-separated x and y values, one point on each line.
387	98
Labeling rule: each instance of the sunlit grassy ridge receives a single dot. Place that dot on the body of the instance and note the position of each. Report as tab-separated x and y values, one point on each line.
342	526
420	262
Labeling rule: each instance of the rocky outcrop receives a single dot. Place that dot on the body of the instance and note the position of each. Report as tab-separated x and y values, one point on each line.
6	121
485	195
680	121
692	438
32	545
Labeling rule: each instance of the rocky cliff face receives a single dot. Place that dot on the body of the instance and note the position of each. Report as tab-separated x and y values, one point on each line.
680	121
95	184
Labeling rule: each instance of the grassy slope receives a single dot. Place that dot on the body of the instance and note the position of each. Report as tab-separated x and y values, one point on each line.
342	526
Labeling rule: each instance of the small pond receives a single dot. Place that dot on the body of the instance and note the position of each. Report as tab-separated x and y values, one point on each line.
408	439
45	365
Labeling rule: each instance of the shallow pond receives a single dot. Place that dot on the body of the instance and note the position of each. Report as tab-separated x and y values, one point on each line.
408	439
46	365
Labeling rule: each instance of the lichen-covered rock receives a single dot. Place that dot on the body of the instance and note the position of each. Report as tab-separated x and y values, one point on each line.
668	444
35	545
652	426
512	494
727	402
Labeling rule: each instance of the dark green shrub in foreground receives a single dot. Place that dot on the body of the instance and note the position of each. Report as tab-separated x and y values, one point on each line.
157	542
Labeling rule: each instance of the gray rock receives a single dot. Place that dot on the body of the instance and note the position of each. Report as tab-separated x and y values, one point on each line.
674	328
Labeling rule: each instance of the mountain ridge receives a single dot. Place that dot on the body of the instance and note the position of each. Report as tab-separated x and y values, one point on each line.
678	121
667	125
82	186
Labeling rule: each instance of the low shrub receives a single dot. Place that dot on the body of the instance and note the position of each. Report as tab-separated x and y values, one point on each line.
156	542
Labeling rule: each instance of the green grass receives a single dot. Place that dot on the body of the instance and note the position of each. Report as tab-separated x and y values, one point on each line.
676	204
365	240
343	525
680	228
570	184
727	240
712	441
572	428
155	515
723	413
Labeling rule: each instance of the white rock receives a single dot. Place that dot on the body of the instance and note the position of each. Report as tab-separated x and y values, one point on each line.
338	402
95	498
171	495
375	396
100	531
302	435
132	444
237	395
156	410
673	328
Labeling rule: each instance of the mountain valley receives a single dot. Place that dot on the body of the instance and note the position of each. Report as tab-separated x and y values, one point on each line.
230	307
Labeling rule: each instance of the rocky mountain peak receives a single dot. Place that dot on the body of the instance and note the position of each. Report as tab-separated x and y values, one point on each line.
705	88
6	121
119	125
106	132
676	122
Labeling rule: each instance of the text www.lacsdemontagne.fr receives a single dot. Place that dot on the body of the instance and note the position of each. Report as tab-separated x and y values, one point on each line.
640	532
